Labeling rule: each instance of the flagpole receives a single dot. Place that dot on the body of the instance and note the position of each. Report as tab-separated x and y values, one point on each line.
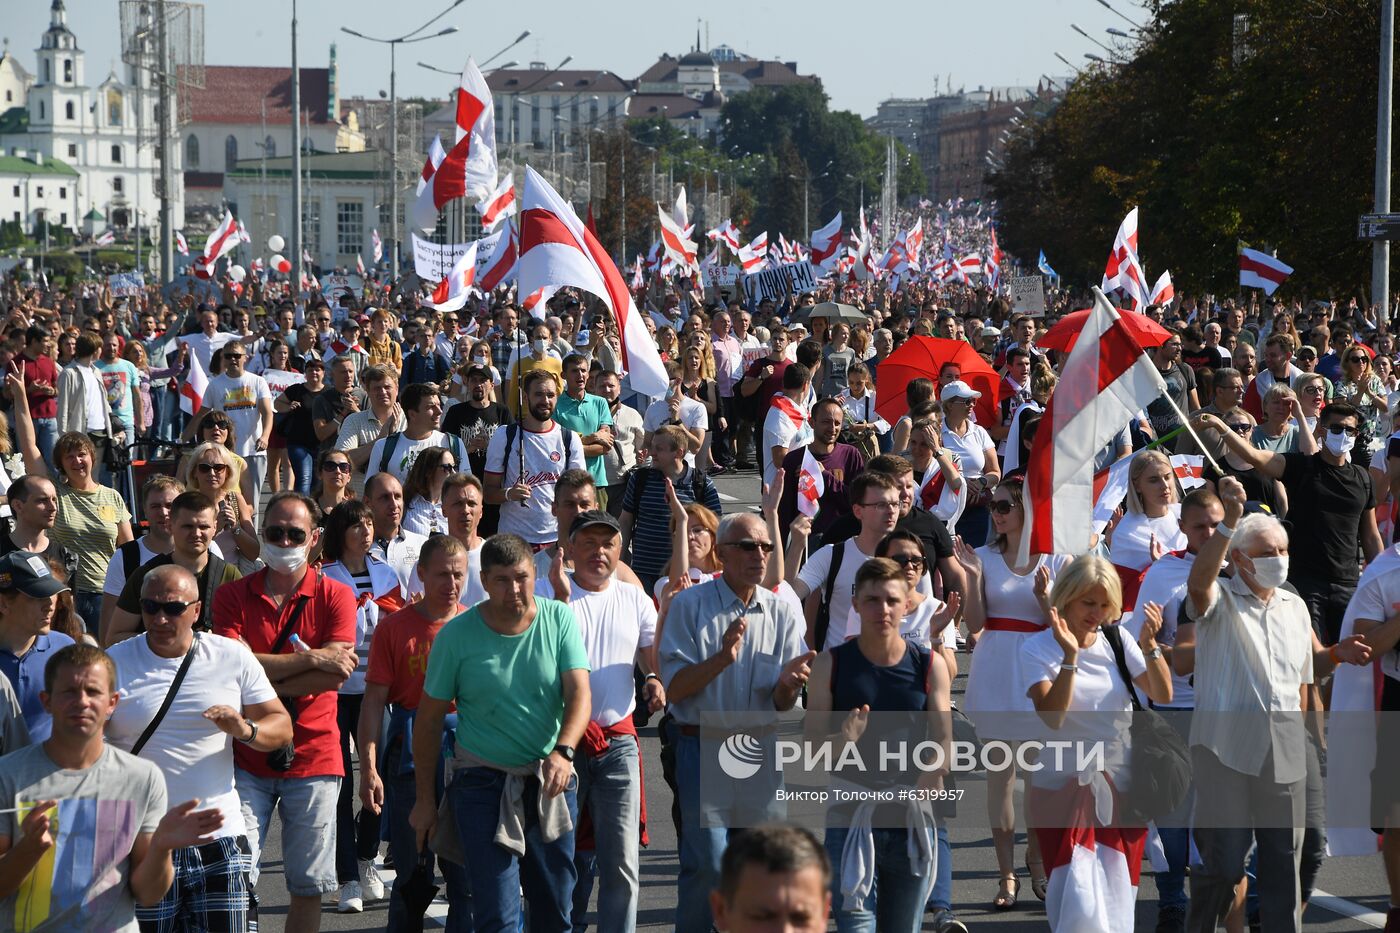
1186	425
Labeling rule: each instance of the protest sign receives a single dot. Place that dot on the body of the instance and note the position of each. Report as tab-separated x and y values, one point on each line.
333	286
793	278
721	277
126	284
432	261
1028	294
200	289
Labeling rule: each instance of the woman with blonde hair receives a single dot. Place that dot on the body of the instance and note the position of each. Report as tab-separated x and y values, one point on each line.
1151	524
1072	668
1360	386
703	389
214	471
1311	389
694	531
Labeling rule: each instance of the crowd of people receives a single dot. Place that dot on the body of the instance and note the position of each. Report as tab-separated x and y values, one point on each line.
458	551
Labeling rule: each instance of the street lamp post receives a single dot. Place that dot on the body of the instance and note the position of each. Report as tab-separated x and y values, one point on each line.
1380	249
393	44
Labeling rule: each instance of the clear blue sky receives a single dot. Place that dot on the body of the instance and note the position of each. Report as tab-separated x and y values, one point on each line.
860	63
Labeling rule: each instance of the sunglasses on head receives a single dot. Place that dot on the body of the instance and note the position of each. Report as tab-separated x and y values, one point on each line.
171	609
335	466
281	535
1001	506
750	545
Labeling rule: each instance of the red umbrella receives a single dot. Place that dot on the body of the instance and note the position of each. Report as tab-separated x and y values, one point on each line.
1147	332
923	358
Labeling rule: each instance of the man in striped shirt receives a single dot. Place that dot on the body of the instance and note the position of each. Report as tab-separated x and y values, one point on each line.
646	514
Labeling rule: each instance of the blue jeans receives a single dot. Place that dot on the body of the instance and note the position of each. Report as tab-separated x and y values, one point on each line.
303	461
899	893
701	846
609	786
546	871
307	808
89	609
45	434
400	793
940	897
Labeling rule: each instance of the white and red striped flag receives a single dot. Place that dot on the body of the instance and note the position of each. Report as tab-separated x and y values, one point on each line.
498	205
469	169
306	257
726	233
451	293
826	243
430	165
810	485
680	212
1260	270
181	245
360	265
105	238
243	235
193	387
937	495
754	256
557	249
222	241
1190	470
969	265
1123	273
1105	382
501	264
377	245
1163	292
678	247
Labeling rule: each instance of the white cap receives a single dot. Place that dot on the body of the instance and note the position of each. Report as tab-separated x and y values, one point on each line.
958	389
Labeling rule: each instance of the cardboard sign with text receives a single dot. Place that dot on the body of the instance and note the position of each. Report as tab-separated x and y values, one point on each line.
1028	294
126	284
432	261
791	279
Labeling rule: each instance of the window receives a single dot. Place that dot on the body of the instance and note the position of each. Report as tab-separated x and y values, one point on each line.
270	147
62	192
118	185
593	112
48	76
116	155
63	220
349	227
534	119
311	226
42	113
68	111
39	191
192	152
72	150
9	96
16	191
230	153
68	71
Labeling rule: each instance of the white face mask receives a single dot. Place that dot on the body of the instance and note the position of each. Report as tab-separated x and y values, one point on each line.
1338	444
284	559
1270	572
540	346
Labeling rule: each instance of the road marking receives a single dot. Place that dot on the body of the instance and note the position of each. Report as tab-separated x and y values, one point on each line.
1345	908
725	497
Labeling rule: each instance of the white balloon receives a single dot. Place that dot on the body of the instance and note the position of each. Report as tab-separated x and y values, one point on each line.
276	243
237	273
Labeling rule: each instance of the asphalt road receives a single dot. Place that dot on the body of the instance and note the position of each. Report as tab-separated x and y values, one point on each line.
1351	893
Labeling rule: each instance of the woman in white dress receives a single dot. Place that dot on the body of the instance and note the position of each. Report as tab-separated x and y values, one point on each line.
1006	605
1151	525
977	457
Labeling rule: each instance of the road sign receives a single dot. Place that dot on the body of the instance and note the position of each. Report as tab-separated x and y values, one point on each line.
1378	227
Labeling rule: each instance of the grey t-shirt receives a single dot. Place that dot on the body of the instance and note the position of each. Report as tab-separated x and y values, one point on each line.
14	735
83	882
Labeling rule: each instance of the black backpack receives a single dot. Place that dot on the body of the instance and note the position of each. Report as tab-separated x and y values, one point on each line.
823	621
391	443
697	484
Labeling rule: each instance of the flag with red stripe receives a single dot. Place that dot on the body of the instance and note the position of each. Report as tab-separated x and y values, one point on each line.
430	165
1260	270
557	250
451	293
499	204
1105	382
501	263
678	248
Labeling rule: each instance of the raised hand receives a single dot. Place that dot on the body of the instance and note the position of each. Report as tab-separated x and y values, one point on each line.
1232	494
1042	584
949	613
1151	625
967	556
854	725
678	513
773	493
1155	549
1066	639
796	671
558	579
733	639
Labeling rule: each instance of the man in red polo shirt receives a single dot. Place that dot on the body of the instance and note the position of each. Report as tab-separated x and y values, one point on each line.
301	627
40	375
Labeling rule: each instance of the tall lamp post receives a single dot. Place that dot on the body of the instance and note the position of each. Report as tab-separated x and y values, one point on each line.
1380	249
393	45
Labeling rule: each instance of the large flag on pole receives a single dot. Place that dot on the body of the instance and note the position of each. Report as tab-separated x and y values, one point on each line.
557	250
501	263
1260	270
451	293
1123	273
430	165
469	169
1105	382
678	248
826	243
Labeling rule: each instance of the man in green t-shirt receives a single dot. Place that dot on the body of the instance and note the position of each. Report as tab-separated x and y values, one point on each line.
589	417
516	667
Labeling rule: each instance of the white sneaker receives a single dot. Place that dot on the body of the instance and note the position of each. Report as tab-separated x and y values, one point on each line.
350	900
370	883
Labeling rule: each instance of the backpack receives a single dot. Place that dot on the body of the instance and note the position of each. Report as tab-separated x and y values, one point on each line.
697	484
823	621
131	557
391	443
513	429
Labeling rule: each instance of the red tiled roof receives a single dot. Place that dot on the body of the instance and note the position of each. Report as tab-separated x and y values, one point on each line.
236	94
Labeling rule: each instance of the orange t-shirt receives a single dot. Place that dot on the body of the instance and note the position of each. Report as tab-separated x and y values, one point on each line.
398	654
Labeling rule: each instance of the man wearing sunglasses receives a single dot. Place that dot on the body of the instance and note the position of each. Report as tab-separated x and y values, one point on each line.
225	697
1331	514
287	595
728	645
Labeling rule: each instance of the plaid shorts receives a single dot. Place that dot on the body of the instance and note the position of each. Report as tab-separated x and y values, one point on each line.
211	893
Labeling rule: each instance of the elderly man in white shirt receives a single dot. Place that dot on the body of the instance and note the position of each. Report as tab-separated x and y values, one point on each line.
1254	658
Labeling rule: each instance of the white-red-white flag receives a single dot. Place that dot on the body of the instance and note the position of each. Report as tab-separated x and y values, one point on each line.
105	238
470	167
222	241
192	389
826	243
1260	270
243	235
377	246
1190	470
557	249
502	262
360	265
181	245
725	233
451	293
680	212
1123	273
498	205
810	485
938	496
680	249
1105	382
430	165
754	256
1163	292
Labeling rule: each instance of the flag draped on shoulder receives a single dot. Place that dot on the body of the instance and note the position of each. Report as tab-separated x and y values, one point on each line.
557	250
1260	270
1105	382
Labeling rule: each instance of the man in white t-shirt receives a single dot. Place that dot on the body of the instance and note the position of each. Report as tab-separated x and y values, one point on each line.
675	407
526	496
225	696
209	338
422	408
618	625
787	425
875	503
393	544
247	400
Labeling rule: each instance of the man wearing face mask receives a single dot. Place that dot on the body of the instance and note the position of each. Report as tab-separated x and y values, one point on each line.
1253	657
300	625
1332	513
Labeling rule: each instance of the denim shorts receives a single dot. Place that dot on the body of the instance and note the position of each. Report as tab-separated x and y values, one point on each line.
307	807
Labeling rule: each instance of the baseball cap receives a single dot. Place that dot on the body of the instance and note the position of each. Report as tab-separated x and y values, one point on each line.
958	389
593	517
30	574
476	369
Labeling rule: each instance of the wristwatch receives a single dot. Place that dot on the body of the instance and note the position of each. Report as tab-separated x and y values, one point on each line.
566	750
254	736
1155	653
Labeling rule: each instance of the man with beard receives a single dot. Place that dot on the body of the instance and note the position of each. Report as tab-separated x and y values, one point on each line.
474	421
524	459
838	462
